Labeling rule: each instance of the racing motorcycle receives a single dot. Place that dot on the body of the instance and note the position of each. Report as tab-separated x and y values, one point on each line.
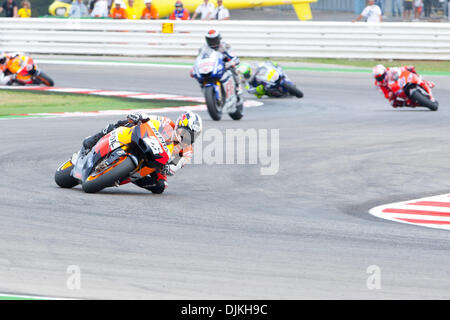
275	81
218	85
27	72
124	155
412	91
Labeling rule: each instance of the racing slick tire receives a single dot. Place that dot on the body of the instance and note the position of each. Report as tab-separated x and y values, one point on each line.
293	90
422	100
110	177
45	79
213	109
63	177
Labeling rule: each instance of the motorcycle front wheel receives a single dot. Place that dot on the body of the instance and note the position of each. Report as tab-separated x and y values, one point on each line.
63	177
45	79
292	89
422	100
214	110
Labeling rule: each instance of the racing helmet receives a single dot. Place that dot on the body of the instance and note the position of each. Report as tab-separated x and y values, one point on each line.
213	39
246	70
379	72
188	127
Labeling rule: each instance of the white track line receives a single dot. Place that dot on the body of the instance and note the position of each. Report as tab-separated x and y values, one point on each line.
112	93
114	63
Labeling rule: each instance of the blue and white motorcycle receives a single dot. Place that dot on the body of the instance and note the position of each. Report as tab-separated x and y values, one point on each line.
218	85
269	79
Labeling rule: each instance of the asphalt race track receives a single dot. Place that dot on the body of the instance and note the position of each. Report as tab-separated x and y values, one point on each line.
225	231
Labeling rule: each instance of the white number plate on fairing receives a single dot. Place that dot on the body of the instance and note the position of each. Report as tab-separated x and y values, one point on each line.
153	143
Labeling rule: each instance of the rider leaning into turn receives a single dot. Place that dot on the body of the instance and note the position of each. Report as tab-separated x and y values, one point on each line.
384	77
11	65
255	84
181	134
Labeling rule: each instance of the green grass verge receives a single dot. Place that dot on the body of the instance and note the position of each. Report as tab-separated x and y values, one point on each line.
28	102
17	298
436	67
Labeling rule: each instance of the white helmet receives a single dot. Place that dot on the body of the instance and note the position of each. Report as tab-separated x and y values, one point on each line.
379	72
188	127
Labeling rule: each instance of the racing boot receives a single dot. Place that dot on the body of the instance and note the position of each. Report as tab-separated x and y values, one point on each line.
155	182
90	142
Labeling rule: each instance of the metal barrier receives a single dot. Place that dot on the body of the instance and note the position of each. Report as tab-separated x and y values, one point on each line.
429	41
333	5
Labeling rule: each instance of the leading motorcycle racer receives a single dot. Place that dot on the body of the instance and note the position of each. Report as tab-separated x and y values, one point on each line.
214	41
386	77
181	134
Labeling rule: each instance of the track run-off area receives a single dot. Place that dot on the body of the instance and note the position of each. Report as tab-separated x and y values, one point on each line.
226	231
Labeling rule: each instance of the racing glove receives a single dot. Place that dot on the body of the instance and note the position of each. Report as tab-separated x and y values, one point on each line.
134	118
391	96
110	127
166	170
230	64
173	168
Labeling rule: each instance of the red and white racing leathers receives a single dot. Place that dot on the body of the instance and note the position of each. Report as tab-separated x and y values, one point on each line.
390	80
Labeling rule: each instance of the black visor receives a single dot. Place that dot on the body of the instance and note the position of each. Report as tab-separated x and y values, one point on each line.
381	78
213	42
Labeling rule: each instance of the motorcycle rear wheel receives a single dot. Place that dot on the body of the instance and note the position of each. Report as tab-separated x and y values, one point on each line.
292	89
63	177
422	100
111	176
213	109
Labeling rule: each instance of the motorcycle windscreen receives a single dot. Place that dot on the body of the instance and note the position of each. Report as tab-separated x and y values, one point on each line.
209	62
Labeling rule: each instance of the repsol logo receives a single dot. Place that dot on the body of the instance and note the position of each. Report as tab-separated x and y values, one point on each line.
160	138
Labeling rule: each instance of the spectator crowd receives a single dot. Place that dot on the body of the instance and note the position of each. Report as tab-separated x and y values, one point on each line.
408	10
10	9
127	9
123	9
